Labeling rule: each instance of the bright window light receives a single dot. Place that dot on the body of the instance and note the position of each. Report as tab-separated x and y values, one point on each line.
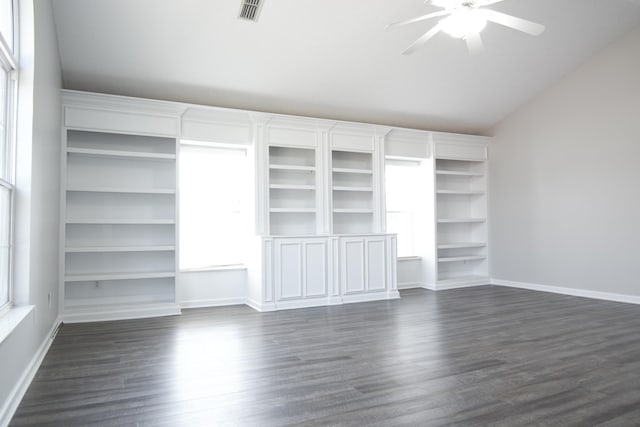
402	180
214	192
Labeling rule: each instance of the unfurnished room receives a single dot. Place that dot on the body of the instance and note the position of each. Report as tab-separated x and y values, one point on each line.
319	213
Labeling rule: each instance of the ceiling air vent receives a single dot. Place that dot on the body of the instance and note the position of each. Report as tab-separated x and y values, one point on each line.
250	9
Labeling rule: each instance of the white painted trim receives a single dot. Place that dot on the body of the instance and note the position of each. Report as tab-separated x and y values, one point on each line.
372	296
454	285
12	318
212	302
20	388
260	307
584	293
120	313
410	285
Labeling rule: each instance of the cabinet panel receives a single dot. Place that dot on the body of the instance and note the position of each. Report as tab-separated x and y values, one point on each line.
345	141
461	151
288	270
300	268
120	122
353	268
315	269
376	274
292	137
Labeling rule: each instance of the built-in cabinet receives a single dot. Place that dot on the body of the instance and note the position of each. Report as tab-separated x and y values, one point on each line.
321	196
461	211
118	253
320	232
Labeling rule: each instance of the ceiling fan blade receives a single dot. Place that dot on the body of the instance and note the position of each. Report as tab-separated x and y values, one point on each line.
474	44
422	40
418	19
519	24
487	2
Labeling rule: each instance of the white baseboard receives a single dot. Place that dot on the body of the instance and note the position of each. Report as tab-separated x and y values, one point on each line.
607	296
259	306
213	302
373	296
410	285
20	388
116	312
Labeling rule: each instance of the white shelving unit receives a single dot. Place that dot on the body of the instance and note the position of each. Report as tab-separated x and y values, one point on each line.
461	207
352	178
292	190
119	230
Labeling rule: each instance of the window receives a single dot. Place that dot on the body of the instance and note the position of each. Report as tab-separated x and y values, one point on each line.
8	70
214	183
402	181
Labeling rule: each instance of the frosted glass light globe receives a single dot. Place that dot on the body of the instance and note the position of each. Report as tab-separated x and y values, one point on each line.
463	22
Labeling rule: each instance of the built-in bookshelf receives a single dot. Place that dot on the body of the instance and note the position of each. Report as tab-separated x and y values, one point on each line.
352	192
119	229
292	190
461	206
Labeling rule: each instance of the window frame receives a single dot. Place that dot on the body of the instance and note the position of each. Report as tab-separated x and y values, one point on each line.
9	61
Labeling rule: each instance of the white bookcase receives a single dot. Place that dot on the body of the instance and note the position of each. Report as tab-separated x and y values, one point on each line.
118	237
352	192
461	213
320	215
292	190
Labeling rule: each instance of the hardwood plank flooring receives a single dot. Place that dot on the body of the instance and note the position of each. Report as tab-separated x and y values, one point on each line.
485	356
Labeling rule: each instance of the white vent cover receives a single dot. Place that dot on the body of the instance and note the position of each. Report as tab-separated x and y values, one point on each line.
249	9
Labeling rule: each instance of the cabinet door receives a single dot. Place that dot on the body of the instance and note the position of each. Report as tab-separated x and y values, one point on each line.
363	264
376	262
352	265
300	268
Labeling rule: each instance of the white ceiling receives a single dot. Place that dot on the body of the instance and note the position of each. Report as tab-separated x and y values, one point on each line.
329	58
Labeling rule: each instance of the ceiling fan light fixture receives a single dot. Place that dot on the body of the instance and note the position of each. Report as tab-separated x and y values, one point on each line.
463	22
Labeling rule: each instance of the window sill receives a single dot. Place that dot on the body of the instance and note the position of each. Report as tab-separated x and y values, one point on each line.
12	318
409	258
214	268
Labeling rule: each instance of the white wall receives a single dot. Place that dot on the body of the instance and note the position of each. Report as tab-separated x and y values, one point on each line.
37	194
211	288
565	179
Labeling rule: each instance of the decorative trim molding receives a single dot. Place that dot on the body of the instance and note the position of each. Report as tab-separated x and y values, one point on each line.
115	313
212	302
20	388
410	285
584	293
260	307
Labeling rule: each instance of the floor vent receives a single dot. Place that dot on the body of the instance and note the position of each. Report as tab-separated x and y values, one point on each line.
250	9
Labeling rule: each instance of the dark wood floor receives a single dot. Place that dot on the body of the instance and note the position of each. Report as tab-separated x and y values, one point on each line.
479	356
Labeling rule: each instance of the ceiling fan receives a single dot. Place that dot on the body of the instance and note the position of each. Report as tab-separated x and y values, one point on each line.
465	19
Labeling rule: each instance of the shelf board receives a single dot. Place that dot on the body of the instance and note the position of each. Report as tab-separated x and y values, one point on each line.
352	210
461	192
347	188
102	221
462	258
354	171
291	187
120	153
459	220
292	168
462	245
458	173
98	249
117	276
122	190
292	210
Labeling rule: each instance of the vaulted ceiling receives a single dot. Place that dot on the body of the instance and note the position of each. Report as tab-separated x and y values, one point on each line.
329	58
